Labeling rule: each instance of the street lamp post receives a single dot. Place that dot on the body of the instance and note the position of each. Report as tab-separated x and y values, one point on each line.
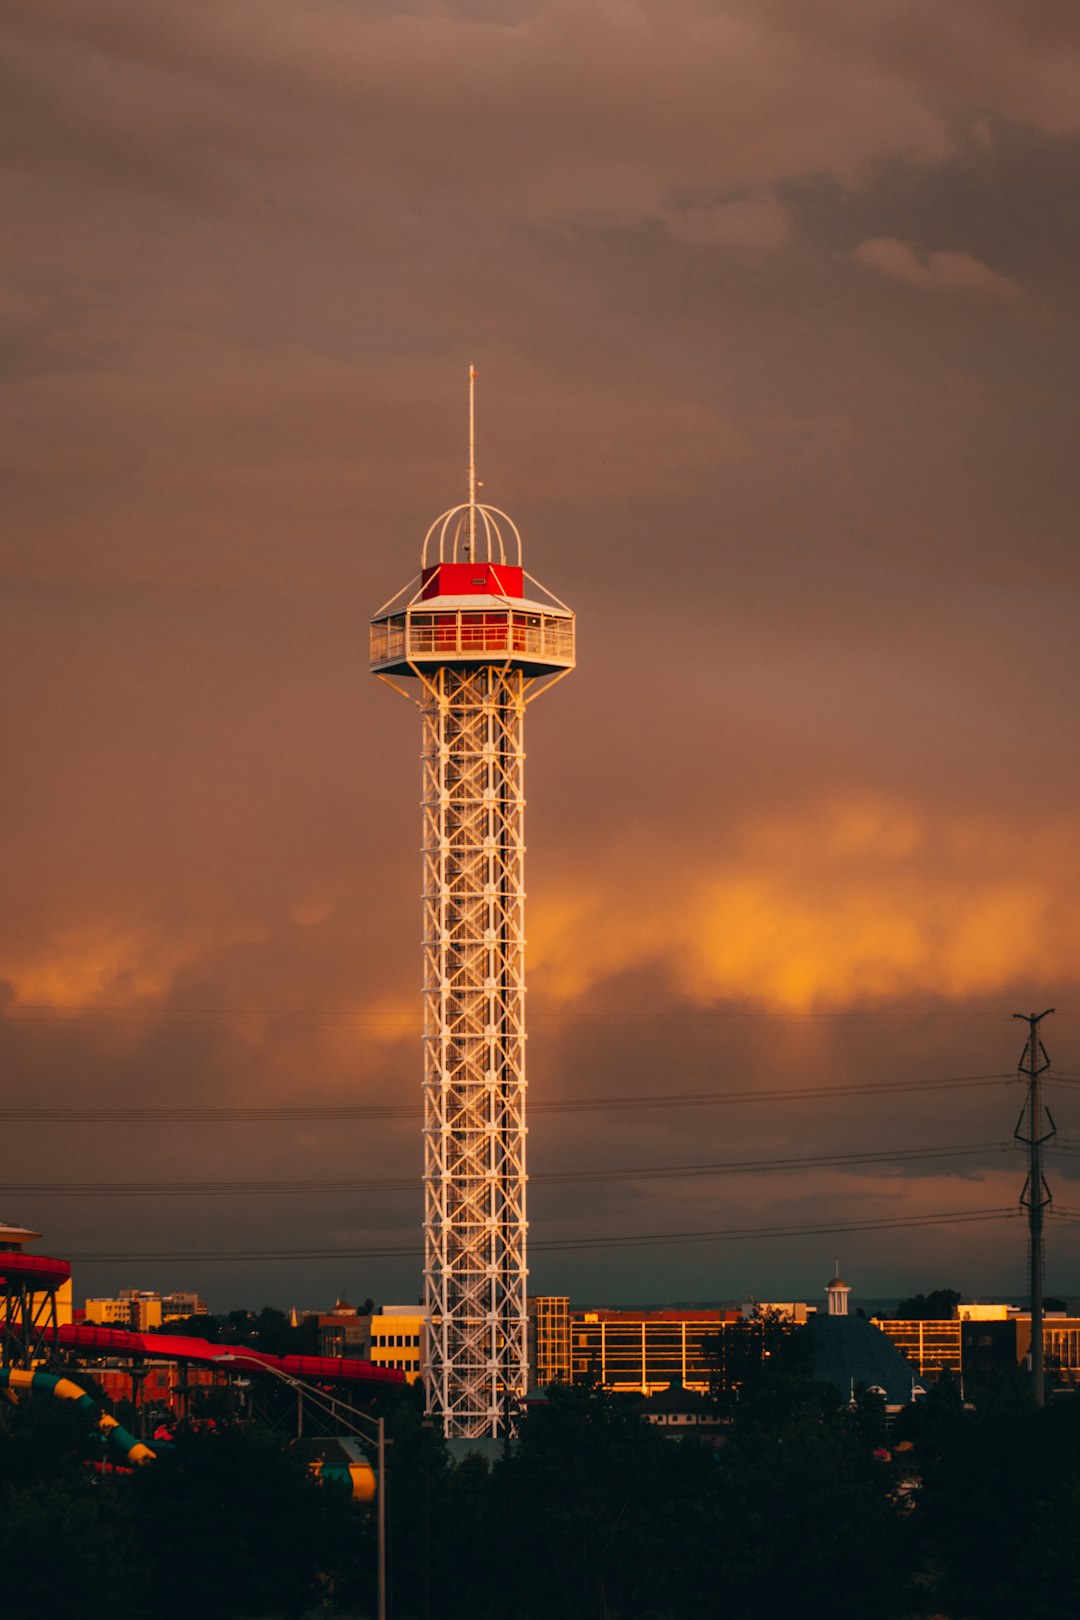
377	1423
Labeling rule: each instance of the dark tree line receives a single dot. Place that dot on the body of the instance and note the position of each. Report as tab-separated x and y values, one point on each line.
936	1306
594	1515
269	1330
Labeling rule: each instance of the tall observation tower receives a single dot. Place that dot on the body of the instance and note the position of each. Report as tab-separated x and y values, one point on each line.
480	649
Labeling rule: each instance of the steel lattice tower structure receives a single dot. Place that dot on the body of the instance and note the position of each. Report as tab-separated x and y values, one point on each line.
481	651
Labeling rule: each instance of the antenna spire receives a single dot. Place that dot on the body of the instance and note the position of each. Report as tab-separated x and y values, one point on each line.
472	462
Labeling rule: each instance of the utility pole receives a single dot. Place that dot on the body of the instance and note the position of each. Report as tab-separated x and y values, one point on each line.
1036	1194
321	1401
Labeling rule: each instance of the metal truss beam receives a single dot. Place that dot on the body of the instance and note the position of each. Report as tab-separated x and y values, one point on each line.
474	1045
28	1324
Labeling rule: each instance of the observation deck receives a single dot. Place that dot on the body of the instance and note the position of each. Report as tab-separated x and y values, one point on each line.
469	605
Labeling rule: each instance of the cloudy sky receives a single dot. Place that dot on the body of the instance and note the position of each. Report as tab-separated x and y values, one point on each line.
775	310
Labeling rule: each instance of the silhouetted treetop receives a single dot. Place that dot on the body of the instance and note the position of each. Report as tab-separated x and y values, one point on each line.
936	1306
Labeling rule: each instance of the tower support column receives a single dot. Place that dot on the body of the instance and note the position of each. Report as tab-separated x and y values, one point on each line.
474	1045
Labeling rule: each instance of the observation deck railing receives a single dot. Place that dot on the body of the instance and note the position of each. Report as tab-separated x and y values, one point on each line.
465	633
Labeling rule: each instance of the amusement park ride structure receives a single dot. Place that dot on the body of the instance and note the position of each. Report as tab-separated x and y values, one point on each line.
480	650
29	1285
33	1336
37	1351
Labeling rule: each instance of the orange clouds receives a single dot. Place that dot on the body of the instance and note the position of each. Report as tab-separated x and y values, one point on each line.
845	904
103	964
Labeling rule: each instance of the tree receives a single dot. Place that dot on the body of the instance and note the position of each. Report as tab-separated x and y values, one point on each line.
68	1545
254	1533
932	1422
274	1332
762	1369
238	1327
65	1530
807	1511
599	1516
998	1513
192	1327
868	1416
937	1306
593	1513
432	1512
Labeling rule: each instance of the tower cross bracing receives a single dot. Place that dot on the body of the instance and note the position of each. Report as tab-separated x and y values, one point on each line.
474	1040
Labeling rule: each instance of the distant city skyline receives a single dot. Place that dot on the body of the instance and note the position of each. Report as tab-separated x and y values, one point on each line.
776	316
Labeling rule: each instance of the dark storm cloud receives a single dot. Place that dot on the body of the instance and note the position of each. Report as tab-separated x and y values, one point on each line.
776	316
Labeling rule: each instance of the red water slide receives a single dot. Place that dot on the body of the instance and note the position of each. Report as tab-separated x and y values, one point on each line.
174	1347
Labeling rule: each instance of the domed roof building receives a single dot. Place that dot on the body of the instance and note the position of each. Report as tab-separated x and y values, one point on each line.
851	1353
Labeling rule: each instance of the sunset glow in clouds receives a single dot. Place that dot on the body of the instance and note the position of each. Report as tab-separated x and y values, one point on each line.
845	906
775	314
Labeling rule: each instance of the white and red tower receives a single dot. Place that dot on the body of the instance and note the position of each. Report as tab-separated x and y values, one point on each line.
481	650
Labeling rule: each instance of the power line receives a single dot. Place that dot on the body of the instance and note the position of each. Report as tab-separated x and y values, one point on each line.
388	1184
808	1162
772	1094
949	1218
270	1114
722	1234
32	1011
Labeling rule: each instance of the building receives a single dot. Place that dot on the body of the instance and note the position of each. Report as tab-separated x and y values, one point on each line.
343	1330
399	1340
853	1354
986	1340
133	1309
930	1346
1061	1345
481	651
549	1340
790	1310
639	1351
646	1351
681	1413
990	1347
650	1352
141	1311
175	1307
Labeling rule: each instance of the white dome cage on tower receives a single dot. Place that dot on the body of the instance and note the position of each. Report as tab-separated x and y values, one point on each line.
481	650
